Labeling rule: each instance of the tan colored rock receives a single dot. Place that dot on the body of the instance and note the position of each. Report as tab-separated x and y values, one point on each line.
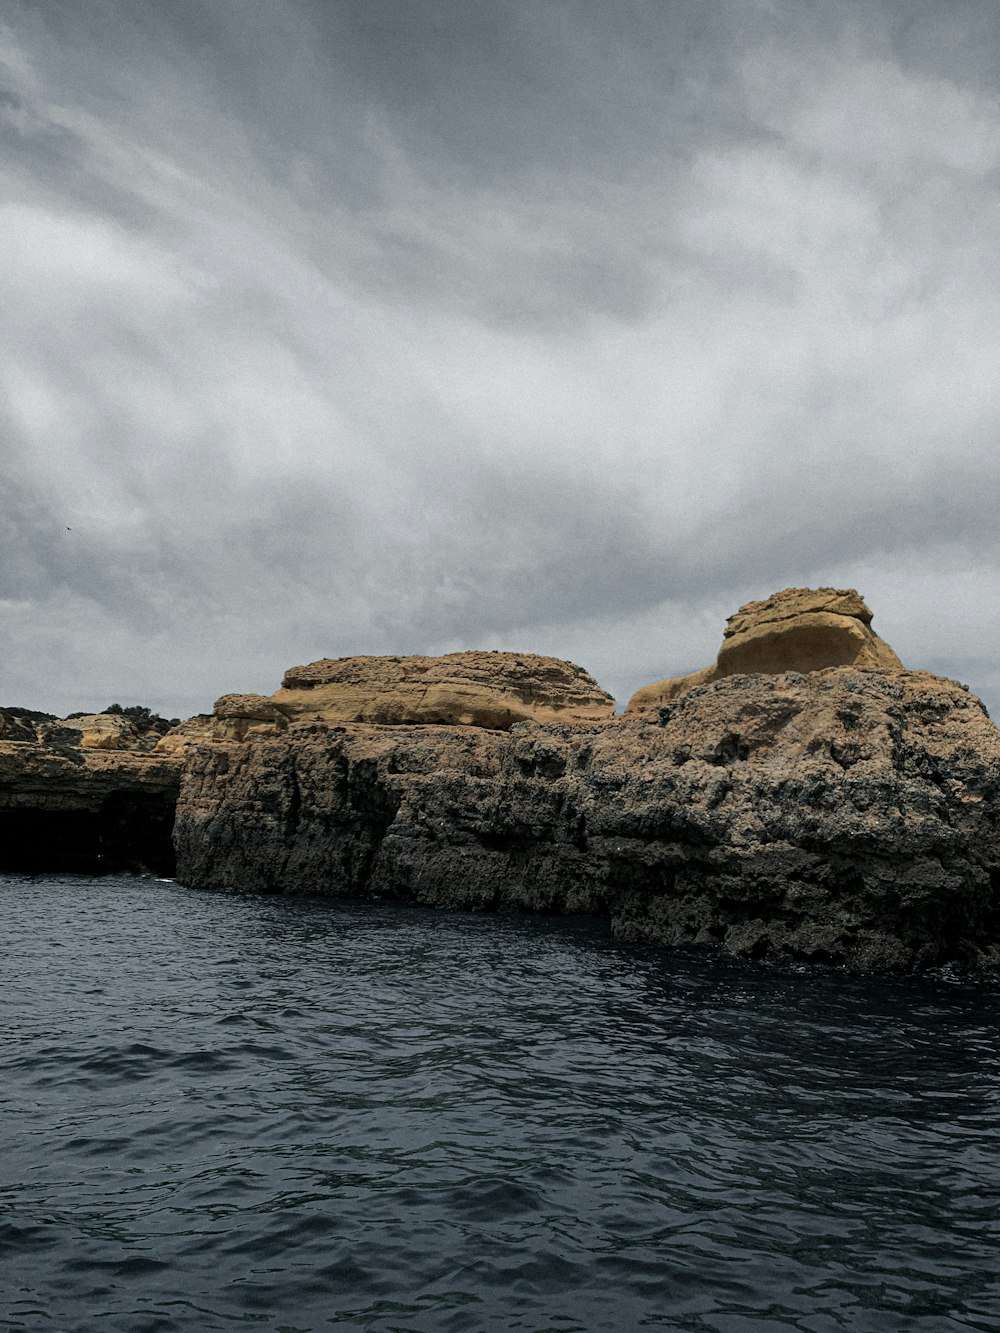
792	602
103	731
40	776
86	809
247	707
194	731
799	629
803	629
477	689
237	715
650	698
234	717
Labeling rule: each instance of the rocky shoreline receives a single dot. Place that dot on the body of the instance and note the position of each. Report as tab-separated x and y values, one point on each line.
846	813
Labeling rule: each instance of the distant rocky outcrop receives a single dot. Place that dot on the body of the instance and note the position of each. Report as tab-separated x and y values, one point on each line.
475	689
21	724
86	794
799	629
136	730
108	731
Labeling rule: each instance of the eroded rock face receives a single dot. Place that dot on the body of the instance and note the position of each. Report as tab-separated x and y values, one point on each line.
803	629
843	816
238	715
478	689
799	629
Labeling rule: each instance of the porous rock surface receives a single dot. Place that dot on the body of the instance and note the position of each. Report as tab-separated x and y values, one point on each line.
50	776
843	816
480	689
799	629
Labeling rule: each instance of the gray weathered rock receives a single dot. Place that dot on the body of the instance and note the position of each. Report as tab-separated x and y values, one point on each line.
843	816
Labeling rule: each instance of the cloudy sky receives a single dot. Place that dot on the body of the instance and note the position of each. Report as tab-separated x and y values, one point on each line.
343	326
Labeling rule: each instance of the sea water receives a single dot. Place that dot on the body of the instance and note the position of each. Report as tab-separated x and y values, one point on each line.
225	1110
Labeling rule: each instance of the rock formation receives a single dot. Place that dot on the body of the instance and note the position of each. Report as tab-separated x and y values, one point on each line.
847	817
803	799
107	731
799	629
72	797
478	689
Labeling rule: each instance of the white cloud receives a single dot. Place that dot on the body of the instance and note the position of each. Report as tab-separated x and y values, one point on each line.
872	114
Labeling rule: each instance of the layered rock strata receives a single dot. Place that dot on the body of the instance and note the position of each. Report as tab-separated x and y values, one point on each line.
845	816
799	629
478	689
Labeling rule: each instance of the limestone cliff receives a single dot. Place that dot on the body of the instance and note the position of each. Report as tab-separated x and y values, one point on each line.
843	816
802	799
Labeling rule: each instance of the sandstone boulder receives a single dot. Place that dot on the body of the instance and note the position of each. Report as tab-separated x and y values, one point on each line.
799	629
803	629
478	689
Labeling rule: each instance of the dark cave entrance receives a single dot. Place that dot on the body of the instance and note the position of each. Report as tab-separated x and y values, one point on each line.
130	831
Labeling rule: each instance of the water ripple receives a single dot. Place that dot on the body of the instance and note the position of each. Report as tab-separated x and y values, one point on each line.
292	1114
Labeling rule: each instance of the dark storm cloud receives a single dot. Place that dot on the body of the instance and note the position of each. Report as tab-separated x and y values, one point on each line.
367	326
